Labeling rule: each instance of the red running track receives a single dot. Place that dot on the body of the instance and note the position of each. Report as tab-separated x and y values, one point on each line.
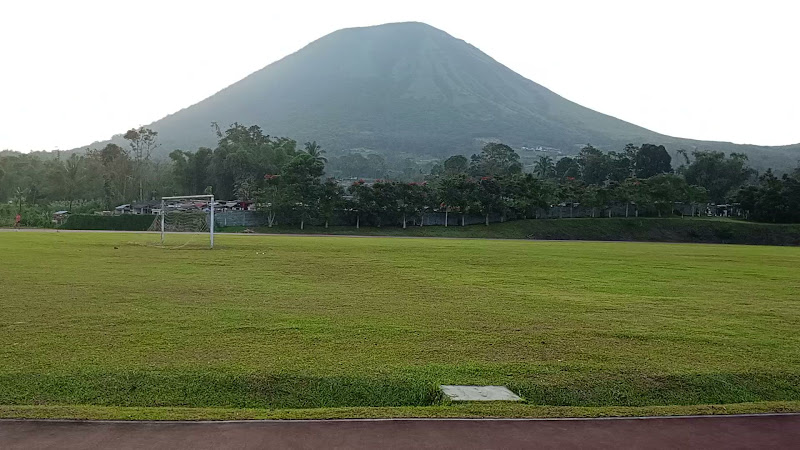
729	432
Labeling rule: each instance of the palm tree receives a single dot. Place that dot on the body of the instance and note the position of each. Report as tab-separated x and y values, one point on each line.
316	151
544	167
19	198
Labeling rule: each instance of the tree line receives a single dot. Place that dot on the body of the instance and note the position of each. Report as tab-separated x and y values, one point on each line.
289	181
492	183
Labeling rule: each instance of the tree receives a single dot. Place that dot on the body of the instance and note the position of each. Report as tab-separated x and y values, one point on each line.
357	165
594	165
630	192
719	175
246	190
420	199
273	198
567	167
769	199
331	198
610	196
302	176
620	166
592	197
488	197
544	167
495	160
455	191
385	201
142	142
73	178
114	167
19	198
651	160
570	192
773	199
247	153
696	195
665	190
456	164
192	171
362	199
404	194
315	151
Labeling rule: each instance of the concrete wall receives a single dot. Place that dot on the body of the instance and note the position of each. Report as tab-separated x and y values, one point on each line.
240	219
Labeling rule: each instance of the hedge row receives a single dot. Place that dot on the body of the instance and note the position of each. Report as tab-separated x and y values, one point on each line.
125	222
711	231
699	230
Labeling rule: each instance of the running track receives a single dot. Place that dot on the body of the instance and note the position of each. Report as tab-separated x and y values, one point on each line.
729	432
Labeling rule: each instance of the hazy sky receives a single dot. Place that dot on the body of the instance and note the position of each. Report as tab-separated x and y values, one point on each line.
73	72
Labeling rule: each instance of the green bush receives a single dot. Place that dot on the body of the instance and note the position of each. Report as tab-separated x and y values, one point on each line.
31	215
706	230
125	222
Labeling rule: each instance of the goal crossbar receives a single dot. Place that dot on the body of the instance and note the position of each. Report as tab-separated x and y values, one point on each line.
211	208
180	197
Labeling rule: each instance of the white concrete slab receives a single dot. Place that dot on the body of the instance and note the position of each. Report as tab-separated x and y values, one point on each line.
479	393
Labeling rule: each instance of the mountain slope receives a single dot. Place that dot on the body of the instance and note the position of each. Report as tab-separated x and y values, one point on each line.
413	88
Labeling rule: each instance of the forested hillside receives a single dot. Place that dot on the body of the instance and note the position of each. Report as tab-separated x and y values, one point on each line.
413	89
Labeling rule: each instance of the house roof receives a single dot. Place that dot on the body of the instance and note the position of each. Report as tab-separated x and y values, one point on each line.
150	204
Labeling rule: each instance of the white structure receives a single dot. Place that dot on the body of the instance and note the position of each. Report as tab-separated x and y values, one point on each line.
479	393
178	207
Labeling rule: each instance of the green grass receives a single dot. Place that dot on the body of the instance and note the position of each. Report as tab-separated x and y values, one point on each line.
305	326
462	410
699	230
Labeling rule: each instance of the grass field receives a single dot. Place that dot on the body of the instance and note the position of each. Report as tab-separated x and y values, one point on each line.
109	325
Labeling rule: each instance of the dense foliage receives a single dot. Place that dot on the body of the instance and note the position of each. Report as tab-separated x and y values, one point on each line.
289	183
125	222
773	199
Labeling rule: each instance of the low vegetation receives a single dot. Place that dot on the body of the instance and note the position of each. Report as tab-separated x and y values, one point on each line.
289	184
126	222
698	230
280	322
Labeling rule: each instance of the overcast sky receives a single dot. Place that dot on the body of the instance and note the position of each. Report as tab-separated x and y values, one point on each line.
73	72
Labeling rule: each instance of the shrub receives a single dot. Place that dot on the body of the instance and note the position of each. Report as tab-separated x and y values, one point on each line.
32	215
125	222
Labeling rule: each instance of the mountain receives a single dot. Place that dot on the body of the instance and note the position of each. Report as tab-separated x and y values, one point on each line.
409	87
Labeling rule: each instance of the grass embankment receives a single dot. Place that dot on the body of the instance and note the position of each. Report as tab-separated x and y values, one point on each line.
273	326
462	410
691	230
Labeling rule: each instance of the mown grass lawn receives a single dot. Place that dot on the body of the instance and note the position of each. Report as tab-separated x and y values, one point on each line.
111	320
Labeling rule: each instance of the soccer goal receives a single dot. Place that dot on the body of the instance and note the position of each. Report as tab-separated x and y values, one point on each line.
186	214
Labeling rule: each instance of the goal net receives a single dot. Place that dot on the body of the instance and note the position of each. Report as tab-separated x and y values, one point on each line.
185	214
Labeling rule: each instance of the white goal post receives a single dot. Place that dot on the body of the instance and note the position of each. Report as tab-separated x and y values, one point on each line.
174	202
